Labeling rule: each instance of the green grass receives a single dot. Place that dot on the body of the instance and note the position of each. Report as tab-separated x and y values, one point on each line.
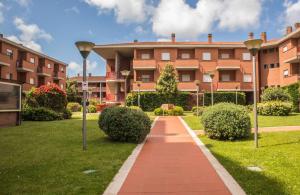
47	158
263	121
278	156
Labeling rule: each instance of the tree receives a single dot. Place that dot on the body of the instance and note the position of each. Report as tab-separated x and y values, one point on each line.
166	83
72	91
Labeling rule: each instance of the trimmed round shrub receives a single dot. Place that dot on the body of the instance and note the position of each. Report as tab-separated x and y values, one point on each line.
40	114
67	114
176	111
92	109
200	110
159	112
74	107
275	94
124	124
274	108
226	121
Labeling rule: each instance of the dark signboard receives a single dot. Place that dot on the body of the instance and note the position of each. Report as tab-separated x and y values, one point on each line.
10	97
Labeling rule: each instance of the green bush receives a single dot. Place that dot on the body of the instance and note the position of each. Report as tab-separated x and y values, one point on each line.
226	121
135	107
125	124
40	114
159	112
74	106
274	108
67	114
294	91
275	94
92	109
249	107
94	102
176	111
229	97
200	110
151	100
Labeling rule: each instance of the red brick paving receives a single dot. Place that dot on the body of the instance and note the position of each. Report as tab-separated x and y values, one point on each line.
171	163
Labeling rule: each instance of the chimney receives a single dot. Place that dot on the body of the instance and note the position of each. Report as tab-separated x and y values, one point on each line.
173	37
297	25
289	29
250	36
209	37
78	75
263	36
135	41
90	74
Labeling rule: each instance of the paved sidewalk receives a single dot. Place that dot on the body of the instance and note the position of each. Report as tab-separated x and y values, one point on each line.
171	162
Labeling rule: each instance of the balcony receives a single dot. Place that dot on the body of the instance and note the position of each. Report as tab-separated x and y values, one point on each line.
5	60
144	86
43	71
144	64
228	64
186	64
292	55
114	77
59	75
187	86
228	86
25	66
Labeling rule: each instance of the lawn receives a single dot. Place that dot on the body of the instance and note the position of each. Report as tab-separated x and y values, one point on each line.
47	158
263	121
278	156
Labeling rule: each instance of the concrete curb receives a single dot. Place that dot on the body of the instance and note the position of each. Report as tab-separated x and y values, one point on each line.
115	185
228	180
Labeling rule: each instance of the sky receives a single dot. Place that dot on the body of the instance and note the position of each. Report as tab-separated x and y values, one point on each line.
53	26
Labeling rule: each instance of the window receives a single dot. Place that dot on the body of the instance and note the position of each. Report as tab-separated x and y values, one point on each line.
62	86
225	56
246	56
272	65
9	52
206	56
271	50
185	56
206	78
31	81
7	76
247	78
277	65
49	65
225	77
265	51
284	49
145	78
265	66
165	56
62	69
31	60
286	73
185	78
145	56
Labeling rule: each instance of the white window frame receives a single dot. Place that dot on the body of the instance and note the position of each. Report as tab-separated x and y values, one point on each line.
225	56
206	56
62	69
285	73
145	56
145	78
207	78
247	78
49	65
225	77
246	56
165	56
185	56
31	81
9	52
7	76
32	60
285	48
186	78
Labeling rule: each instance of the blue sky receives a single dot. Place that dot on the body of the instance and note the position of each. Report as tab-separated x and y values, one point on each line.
53	26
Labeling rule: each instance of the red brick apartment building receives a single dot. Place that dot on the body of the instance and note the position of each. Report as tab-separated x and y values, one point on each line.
28	67
96	84
278	64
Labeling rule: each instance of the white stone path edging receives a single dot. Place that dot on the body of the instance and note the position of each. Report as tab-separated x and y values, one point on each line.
115	185
228	180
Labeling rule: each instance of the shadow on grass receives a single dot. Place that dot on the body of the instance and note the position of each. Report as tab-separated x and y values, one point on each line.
252	182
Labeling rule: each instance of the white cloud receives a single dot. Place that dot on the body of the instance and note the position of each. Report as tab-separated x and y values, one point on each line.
189	22
163	40
292	12
1	12
126	11
30	33
75	67
73	9
139	30
23	3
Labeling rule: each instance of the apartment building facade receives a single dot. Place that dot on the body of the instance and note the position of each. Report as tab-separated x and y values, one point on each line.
277	64
28	67
96	86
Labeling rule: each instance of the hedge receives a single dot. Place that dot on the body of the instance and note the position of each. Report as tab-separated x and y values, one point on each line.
40	114
176	111
274	108
151	100
294	91
275	94
221	96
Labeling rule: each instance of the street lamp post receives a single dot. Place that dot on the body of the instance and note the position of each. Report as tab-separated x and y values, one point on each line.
125	73
203	99
139	97
253	46
84	48
197	82
212	87
236	95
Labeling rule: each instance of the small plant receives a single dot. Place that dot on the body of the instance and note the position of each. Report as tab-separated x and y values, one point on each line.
226	121
158	112
176	111
124	124
67	114
275	94
92	109
274	108
74	106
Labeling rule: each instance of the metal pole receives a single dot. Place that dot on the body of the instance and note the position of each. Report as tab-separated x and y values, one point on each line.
254	103
100	93
197	100
236	96
139	103
212	93
203	103
84	107
125	90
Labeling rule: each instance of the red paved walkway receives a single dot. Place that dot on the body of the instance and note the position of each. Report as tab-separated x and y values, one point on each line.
171	163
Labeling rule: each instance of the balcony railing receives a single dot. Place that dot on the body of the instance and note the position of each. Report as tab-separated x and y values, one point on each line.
186	64
150	86
43	71
228	85
228	64
58	75
144	64
25	66
187	86
5	60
